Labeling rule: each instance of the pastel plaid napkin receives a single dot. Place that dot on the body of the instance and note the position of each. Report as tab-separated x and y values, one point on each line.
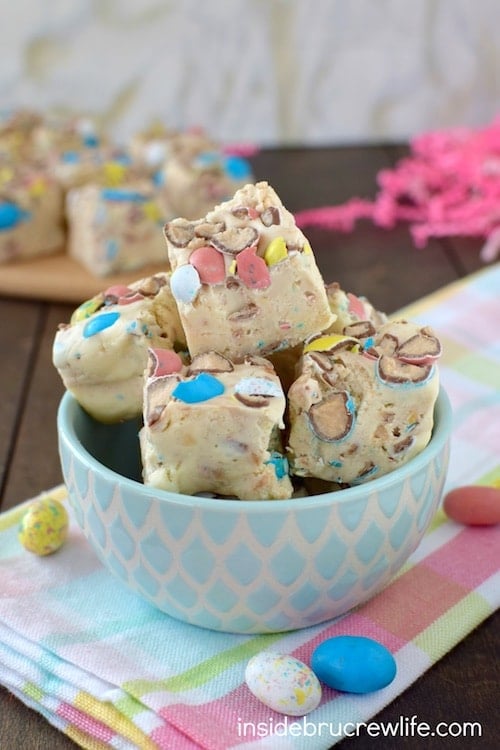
111	671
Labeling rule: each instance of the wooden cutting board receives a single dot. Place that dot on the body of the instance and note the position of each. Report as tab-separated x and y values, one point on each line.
60	278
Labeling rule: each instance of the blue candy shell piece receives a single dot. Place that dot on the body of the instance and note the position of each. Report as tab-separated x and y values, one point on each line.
280	463
99	323
353	664
121	194
123	159
11	215
90	141
202	388
70	157
206	159
237	168
158	179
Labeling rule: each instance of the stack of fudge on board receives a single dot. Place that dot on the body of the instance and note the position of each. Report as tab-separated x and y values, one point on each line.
254	379
65	185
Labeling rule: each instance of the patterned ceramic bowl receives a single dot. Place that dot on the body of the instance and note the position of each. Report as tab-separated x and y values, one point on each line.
242	566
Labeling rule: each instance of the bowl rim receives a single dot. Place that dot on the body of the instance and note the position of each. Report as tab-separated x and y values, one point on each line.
68	408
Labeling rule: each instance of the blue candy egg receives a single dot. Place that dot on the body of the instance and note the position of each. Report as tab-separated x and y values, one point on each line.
185	283
353	664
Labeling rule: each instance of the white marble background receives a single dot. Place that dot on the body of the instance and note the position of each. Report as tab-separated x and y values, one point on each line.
264	71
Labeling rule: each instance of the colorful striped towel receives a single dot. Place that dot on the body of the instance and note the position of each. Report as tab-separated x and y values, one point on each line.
110	671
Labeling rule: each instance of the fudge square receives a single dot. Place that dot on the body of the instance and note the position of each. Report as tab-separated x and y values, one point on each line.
115	230
214	426
31	213
245	278
361	407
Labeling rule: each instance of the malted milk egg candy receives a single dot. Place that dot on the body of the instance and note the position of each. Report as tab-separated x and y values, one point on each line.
283	683
353	664
44	526
473	505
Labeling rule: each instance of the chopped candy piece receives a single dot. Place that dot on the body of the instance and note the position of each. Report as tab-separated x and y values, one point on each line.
276	251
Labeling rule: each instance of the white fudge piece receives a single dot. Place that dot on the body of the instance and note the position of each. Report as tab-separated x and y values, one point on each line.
31	213
245	278
198	175
114	230
359	410
101	354
214	427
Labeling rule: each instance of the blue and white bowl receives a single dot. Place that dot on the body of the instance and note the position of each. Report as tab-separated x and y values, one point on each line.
243	566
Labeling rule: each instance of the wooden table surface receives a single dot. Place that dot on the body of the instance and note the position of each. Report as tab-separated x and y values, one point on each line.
384	266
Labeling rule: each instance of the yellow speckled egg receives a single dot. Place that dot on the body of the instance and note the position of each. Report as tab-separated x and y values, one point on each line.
44	527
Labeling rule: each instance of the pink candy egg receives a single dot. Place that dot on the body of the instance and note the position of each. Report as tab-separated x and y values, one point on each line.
165	362
473	505
209	263
252	269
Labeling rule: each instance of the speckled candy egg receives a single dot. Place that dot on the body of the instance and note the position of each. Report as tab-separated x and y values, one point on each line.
353	664
283	683
44	527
